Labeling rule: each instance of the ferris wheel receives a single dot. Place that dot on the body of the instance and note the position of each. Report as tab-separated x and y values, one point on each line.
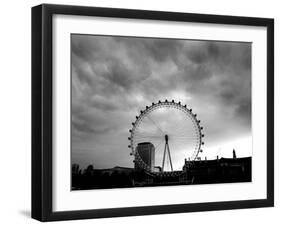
173	131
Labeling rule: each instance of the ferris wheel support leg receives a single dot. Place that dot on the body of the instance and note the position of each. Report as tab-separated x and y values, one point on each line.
164	156
170	157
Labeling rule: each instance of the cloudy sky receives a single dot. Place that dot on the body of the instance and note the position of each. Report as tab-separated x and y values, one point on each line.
113	78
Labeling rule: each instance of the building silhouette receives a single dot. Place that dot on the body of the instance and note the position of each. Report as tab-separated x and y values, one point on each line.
219	170
146	152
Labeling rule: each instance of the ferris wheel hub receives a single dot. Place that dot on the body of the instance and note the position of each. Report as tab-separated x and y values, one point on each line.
166	138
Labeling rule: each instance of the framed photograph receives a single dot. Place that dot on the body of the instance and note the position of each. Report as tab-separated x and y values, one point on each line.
145	112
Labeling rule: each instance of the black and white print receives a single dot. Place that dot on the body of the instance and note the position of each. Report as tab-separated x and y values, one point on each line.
158	112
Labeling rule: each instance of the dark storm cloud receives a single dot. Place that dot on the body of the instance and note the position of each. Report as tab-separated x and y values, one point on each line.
118	74
84	126
163	49
114	77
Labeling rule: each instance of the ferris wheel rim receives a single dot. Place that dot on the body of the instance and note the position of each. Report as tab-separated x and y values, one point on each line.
153	107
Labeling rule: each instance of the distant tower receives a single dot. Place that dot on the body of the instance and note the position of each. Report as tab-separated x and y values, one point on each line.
234	154
146	152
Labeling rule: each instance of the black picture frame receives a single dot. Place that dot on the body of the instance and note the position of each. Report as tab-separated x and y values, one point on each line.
42	107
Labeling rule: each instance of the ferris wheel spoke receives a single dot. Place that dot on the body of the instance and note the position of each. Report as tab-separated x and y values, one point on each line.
148	136
146	140
144	133
183	128
148	131
155	124
182	132
158	144
183	137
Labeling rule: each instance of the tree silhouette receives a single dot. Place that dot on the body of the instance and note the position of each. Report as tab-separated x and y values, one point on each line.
89	171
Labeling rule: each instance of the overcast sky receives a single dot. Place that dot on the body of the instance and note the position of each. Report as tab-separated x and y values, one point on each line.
113	78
